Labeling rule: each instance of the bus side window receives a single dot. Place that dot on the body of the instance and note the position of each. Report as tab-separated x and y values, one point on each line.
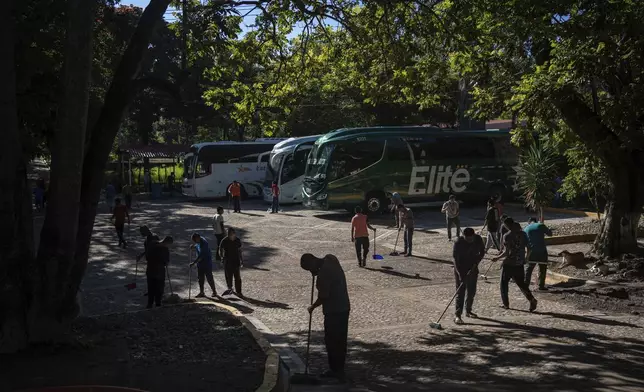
204	168
505	152
289	170
398	151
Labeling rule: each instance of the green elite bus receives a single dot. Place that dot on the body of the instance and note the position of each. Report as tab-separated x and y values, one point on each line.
364	166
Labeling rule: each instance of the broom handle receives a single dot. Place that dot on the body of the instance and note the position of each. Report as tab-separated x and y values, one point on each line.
397	237
455	294
488	268
169	281
308	339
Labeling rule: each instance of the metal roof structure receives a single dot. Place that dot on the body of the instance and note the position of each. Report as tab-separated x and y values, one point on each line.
154	151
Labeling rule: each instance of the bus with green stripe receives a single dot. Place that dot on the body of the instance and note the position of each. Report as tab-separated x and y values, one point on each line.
364	166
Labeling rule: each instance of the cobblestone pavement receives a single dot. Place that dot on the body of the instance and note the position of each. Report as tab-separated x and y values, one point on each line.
559	347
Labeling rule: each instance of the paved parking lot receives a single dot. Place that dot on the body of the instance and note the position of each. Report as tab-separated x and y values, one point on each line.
391	347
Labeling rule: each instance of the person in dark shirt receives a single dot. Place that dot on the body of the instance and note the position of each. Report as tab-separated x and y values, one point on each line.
119	215
158	257
333	296
492	224
204	264
515	243
468	253
231	254
407	219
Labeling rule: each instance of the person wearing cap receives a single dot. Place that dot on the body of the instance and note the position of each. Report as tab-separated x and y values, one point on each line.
515	243
158	257
204	264
334	299
468	252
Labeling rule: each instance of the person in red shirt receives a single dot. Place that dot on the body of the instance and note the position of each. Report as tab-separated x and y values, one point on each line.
360	235
275	190
235	192
119	213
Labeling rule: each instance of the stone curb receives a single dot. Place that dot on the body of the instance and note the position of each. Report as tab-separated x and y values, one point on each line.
274	372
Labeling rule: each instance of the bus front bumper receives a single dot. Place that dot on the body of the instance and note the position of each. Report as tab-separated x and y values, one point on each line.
317	202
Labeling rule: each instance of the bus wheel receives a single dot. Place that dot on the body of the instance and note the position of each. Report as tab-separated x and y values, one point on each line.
375	202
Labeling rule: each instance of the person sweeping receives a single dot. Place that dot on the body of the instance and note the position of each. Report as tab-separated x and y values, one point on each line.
468	252
360	235
515	243
492	225
158	257
407	219
396	200
334	299
231	254
204	264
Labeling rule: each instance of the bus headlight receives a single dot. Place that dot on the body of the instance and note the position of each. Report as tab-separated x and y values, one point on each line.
321	196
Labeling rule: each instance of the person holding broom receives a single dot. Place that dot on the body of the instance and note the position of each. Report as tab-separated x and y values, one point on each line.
334	299
492	225
158	257
515	243
360	235
468	253
204	264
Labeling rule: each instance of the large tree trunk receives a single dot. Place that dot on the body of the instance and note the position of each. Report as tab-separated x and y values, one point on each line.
16	246
119	96
618	233
51	312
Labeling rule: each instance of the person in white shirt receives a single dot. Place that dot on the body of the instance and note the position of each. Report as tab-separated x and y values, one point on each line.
218	228
451	211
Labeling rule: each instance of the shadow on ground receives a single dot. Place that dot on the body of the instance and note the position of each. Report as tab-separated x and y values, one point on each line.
111	268
502	357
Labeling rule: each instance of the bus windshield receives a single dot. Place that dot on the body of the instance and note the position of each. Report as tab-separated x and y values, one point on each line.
188	164
318	161
272	169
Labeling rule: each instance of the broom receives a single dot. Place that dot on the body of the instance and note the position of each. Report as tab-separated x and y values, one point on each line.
437	324
376	256
394	253
306	378
132	286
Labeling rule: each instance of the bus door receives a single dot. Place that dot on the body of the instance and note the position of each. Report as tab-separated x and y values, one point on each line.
292	171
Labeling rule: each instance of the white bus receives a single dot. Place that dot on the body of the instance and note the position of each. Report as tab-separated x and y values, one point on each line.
286	165
210	168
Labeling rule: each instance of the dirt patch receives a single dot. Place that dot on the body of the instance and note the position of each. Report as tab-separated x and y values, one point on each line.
176	348
622	298
583	227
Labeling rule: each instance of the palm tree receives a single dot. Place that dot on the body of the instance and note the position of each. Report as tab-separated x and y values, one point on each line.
536	176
